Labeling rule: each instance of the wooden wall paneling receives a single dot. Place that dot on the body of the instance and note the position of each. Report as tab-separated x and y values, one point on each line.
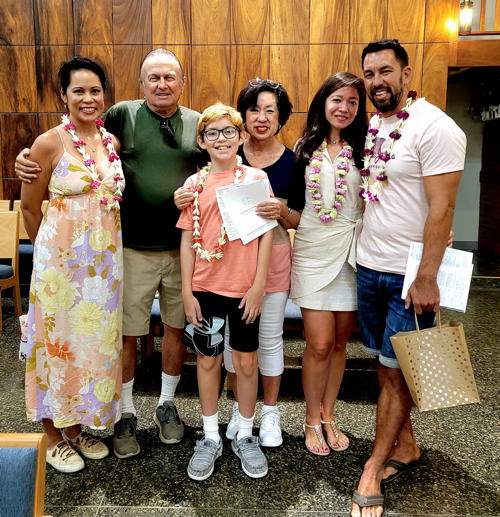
17	131
48	60
478	52
127	61
293	129
437	13
183	53
416	59
47	121
210	76
435	74
93	22
1	170
325	60
368	20
356	69
289	65
17	77
247	62
250	22
103	55
17	22
289	21
329	21
407	25
211	21
171	22
132	22
54	22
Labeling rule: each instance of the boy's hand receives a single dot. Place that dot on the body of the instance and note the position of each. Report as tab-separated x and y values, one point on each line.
25	169
192	309
183	197
252	302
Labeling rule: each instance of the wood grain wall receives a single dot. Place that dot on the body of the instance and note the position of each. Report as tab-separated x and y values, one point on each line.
221	43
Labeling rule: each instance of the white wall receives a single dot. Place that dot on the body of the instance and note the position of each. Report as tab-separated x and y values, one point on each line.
466	221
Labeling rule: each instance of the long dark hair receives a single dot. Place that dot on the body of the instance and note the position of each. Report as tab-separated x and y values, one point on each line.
318	128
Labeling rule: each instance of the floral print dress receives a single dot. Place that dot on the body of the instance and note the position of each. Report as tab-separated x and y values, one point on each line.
73	365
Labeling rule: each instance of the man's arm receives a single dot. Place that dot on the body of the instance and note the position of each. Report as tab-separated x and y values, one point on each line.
441	193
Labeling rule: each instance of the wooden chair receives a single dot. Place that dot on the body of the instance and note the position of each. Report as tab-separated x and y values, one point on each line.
22	474
9	249
23	234
4	205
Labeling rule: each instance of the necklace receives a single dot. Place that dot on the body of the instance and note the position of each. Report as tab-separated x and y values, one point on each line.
108	196
216	253
370	191
343	166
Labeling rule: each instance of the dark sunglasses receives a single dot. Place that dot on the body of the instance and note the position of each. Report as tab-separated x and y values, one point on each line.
268	82
168	133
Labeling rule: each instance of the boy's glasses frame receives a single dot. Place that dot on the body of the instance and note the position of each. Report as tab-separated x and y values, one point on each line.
228	132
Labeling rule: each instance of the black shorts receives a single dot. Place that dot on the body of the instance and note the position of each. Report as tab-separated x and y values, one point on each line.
208	340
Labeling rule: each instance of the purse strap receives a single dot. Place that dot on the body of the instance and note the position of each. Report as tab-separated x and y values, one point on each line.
438	314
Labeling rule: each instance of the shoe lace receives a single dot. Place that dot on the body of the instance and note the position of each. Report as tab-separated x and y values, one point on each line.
88	440
271	419
64	450
168	413
125	427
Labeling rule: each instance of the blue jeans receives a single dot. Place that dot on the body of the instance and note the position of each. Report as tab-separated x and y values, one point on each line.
382	313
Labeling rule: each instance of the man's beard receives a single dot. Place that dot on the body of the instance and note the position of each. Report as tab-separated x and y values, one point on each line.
389	104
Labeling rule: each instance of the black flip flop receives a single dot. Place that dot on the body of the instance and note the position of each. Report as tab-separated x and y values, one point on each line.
401	468
365	501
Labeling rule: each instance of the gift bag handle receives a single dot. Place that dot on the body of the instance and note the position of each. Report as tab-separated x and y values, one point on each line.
438	314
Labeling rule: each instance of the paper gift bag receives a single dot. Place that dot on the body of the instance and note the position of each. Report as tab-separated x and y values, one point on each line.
436	366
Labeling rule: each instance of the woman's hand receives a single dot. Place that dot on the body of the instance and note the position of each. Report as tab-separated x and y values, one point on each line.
192	309
25	169
252	302
451	236
183	197
270	209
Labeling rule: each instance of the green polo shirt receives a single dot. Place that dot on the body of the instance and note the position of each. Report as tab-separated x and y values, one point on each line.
153	171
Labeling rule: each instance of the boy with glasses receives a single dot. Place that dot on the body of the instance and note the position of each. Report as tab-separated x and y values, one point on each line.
222	280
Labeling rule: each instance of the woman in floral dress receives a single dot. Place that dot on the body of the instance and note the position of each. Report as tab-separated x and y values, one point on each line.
73	368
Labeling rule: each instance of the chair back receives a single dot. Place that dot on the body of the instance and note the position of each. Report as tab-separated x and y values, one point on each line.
9	237
4	205
22	474
23	234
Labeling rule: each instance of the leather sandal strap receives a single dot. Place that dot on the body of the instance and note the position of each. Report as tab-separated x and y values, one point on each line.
364	501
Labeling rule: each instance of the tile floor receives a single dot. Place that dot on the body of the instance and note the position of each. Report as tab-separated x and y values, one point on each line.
460	445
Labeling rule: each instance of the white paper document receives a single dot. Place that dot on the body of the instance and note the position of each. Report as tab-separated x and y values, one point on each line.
237	207
454	276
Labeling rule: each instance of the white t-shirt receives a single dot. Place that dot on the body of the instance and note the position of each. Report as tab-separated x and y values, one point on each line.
431	143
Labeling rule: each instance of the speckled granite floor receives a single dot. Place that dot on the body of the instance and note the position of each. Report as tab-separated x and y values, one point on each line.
460	477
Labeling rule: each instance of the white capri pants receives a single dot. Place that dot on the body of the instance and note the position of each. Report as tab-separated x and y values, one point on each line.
270	351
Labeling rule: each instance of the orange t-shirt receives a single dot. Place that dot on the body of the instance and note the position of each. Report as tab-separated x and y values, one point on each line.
234	273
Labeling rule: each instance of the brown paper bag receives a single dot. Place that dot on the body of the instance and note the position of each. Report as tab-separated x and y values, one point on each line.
436	365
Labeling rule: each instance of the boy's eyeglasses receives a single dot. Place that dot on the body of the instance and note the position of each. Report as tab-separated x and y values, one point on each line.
168	133
229	132
268	82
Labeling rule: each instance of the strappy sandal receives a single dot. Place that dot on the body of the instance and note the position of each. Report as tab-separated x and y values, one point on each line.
336	432
325	450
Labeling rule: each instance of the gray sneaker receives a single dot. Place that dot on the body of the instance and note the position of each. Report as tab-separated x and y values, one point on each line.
201	464
253	461
124	440
170	426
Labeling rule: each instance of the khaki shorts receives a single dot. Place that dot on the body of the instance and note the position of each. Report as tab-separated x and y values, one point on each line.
144	273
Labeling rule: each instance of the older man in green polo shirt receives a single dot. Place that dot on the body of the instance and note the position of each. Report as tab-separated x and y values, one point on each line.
158	152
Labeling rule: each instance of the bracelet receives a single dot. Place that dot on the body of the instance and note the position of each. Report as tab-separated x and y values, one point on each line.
286	216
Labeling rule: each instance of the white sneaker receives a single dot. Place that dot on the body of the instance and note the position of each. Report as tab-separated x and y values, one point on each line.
270	428
234	423
64	458
87	445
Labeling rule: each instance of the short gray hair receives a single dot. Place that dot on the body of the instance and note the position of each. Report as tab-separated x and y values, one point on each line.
161	52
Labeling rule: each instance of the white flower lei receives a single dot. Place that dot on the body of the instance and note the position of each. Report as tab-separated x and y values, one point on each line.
370	191
343	166
221	240
109	202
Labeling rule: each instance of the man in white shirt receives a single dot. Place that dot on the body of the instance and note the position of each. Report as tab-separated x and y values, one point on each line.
414	159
